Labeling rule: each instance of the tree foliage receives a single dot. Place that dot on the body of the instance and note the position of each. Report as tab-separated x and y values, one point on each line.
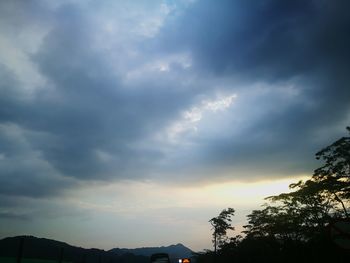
304	213
221	224
333	177
295	216
295	222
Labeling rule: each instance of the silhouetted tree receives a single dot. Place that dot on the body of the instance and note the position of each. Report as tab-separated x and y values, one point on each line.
292	227
280	222
333	178
304	212
220	225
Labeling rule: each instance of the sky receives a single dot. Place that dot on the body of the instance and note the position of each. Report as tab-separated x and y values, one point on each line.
132	123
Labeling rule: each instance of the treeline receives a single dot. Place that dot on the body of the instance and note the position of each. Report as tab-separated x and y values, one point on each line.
300	226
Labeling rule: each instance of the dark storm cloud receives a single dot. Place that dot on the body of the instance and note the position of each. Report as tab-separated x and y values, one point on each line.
89	123
268	39
85	124
21	173
92	114
279	43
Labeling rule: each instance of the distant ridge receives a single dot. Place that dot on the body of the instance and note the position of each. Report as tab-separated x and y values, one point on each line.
174	251
42	248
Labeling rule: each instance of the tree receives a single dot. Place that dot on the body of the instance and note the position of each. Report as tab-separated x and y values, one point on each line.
303	214
298	215
333	178
220	225
281	222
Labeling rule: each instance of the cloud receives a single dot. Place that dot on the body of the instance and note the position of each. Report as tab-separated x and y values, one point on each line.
80	122
290	62
23	170
193	91
91	111
257	39
190	118
269	42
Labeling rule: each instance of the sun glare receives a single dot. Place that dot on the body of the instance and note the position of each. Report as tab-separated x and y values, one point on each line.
252	193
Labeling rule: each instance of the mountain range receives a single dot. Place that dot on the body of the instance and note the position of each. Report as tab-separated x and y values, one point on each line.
42	248
174	251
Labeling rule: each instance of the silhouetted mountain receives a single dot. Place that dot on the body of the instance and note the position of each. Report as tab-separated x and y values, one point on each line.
42	248
174	251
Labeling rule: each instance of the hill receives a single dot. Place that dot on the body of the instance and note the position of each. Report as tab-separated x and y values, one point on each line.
42	248
174	251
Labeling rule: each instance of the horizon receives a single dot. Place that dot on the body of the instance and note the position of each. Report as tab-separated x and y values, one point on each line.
106	250
133	123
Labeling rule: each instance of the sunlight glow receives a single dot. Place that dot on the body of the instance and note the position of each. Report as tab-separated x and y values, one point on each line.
168	207
125	197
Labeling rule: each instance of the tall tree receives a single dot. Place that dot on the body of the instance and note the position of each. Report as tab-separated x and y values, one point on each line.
221	224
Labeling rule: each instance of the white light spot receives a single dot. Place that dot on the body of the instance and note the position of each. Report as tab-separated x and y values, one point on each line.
220	104
188	123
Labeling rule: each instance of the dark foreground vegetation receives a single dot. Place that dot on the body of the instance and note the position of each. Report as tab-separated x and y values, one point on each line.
309	224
